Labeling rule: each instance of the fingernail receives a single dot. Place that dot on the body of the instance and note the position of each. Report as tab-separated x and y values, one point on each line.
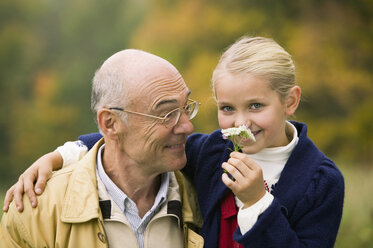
18	207
38	191
33	204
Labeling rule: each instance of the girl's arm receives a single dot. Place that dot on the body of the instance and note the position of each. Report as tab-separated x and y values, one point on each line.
40	171
312	222
33	180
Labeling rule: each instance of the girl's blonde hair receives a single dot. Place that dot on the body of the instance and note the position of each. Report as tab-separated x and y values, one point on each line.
258	56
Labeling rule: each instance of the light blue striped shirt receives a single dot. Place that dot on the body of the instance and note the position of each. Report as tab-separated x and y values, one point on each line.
127	206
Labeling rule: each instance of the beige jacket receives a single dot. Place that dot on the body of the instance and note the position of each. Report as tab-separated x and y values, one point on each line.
69	215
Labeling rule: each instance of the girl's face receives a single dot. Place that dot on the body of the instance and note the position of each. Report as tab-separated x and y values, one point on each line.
249	100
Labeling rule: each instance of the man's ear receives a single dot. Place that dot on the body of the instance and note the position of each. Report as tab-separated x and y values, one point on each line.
292	100
110	124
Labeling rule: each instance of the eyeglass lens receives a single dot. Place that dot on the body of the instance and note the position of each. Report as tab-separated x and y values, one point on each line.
173	117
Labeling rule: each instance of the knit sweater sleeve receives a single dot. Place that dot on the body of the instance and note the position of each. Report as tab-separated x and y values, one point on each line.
73	151
313	222
90	139
193	150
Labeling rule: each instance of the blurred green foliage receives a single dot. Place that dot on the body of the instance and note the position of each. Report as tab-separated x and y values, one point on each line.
50	49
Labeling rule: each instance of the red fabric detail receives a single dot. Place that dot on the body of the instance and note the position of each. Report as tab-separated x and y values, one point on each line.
228	222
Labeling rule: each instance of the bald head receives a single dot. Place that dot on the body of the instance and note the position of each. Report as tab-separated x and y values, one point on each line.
126	73
131	65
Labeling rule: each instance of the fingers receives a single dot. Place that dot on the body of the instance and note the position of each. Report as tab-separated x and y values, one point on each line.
227	181
244	158
40	175
40	171
43	177
28	178
241	173
248	183
240	167
8	198
28	188
17	194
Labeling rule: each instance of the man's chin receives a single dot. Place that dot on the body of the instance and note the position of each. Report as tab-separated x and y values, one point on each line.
178	164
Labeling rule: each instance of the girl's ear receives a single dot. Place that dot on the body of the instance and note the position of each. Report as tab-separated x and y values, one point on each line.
292	100
109	123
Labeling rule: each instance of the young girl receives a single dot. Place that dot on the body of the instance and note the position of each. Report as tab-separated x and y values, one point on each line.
282	191
254	85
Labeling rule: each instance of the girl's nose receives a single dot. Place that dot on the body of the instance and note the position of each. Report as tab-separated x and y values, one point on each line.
242	119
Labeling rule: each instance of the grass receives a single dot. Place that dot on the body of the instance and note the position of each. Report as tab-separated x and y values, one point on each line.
357	222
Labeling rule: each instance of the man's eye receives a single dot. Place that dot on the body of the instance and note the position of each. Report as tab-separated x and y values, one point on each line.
256	106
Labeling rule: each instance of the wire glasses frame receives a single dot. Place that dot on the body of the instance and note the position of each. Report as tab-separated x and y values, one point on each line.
172	117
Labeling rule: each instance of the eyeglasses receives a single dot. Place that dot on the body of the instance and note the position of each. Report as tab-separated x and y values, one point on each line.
172	117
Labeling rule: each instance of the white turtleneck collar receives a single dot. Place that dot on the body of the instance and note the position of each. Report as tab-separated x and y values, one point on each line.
273	160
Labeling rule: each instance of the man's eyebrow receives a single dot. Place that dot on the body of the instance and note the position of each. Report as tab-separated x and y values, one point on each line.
165	102
169	101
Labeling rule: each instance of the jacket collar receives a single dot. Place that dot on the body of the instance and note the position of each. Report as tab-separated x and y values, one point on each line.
81	201
172	206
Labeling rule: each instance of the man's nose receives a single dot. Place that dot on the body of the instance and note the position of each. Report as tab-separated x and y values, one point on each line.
184	125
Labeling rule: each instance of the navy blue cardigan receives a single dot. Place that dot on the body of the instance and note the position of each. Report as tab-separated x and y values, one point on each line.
308	198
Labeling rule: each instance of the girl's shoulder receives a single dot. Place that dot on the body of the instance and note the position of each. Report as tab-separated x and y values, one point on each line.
211	141
90	139
310	162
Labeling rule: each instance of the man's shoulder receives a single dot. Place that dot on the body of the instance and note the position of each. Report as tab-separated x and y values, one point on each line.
55	188
63	173
48	210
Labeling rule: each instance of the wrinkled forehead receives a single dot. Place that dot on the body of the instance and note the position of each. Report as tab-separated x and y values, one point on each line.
159	86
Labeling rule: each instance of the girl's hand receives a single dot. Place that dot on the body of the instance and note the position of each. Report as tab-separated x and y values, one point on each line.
248	183
33	181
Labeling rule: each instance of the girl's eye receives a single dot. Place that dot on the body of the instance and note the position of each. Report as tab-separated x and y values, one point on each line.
255	106
226	108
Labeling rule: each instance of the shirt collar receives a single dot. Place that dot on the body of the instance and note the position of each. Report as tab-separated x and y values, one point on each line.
118	196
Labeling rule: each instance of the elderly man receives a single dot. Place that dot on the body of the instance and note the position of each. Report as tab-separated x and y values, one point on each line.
124	192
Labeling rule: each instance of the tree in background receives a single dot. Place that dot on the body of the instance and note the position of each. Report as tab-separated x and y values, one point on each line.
331	42
50	49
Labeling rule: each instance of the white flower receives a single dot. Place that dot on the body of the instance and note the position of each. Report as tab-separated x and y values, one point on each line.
241	131
238	132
